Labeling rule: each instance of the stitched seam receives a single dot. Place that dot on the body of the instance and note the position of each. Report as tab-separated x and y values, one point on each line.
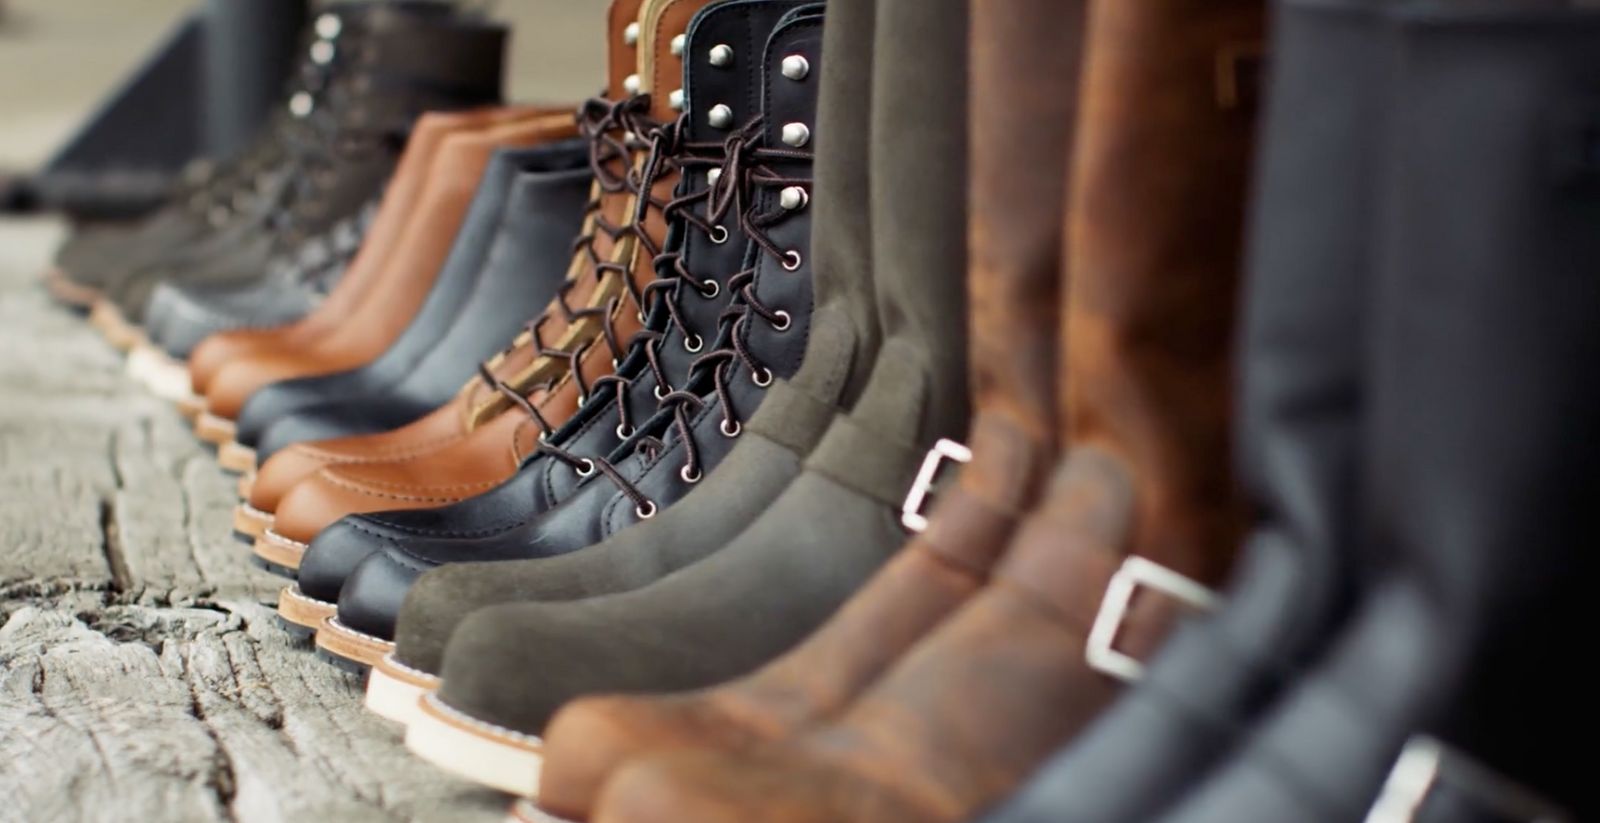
490	729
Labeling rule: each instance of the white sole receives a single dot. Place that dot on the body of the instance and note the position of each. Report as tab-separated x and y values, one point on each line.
165	377
471	749
395	697
526	811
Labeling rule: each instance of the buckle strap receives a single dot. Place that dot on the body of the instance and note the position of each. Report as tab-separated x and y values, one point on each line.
1427	766
1136	572
911	511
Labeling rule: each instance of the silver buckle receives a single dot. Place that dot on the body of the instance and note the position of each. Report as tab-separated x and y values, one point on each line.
1425	761
1136	571
911	515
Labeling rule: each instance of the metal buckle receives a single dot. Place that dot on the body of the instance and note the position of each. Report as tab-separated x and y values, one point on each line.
1136	571
911	515
1425	761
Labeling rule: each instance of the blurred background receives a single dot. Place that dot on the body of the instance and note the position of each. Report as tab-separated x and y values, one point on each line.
58	58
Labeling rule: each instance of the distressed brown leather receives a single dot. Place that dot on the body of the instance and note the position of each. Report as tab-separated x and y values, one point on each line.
409	271
1021	135
399	204
1155	224
478	440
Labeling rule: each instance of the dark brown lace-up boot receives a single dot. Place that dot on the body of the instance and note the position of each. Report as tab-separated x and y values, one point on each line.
1015	237
1141	516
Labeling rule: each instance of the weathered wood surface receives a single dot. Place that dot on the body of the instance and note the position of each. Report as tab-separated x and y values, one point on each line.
142	676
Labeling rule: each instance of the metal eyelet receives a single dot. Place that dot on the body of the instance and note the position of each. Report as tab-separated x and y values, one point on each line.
721	55
647	511
660	393
624	432
691	479
719	234
762	378
694	344
795	67
640	314
713	288
792	260
583	400
732	431
784	321
587	469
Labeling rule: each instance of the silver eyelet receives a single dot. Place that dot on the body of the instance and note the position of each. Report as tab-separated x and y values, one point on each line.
322	52
691	479
783	322
719	234
583	400
720	116
721	55
694	344
588	468
624	432
544	437
615	364
762	378
630	35
793	197
675	99
301	104
631	84
713	175
792	260
713	288
660	393
329	26
640	314
647	511
731	431
676	46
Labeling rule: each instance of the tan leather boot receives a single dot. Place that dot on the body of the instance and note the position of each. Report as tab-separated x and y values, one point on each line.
1141	516
478	440
400	202
1016	221
398	293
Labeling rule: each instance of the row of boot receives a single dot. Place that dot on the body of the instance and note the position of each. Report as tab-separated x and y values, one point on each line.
920	410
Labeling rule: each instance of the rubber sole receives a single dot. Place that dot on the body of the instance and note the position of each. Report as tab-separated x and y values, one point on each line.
482	752
236	457
395	689
213	429
107	319
525	811
301	634
69	292
281	571
165	377
278	551
247	484
250	521
299	610
190	408
347	644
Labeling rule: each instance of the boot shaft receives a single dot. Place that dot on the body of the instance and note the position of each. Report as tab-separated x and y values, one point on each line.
1155	254
1482	461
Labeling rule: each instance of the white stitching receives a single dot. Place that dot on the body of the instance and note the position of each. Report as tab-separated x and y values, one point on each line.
509	735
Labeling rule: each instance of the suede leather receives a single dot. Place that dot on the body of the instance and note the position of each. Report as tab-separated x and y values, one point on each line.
372	597
395	211
766	458
505	266
365	334
1162	157
1015	233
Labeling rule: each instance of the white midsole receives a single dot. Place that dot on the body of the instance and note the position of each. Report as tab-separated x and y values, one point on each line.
510	767
393	698
162	375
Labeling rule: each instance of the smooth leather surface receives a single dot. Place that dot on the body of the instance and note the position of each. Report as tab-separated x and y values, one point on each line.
415	263
504	266
398	204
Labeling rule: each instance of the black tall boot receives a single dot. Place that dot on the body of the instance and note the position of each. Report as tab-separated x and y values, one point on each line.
1454	691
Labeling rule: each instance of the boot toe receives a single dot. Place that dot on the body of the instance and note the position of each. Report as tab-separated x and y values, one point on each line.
333	556
440	600
373	594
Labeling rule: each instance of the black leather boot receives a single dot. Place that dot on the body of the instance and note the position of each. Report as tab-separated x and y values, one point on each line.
503	268
1451	694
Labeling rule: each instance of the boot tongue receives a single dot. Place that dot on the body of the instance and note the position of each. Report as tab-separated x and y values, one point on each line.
622	48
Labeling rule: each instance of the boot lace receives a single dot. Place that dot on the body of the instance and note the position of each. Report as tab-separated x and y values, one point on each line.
745	173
